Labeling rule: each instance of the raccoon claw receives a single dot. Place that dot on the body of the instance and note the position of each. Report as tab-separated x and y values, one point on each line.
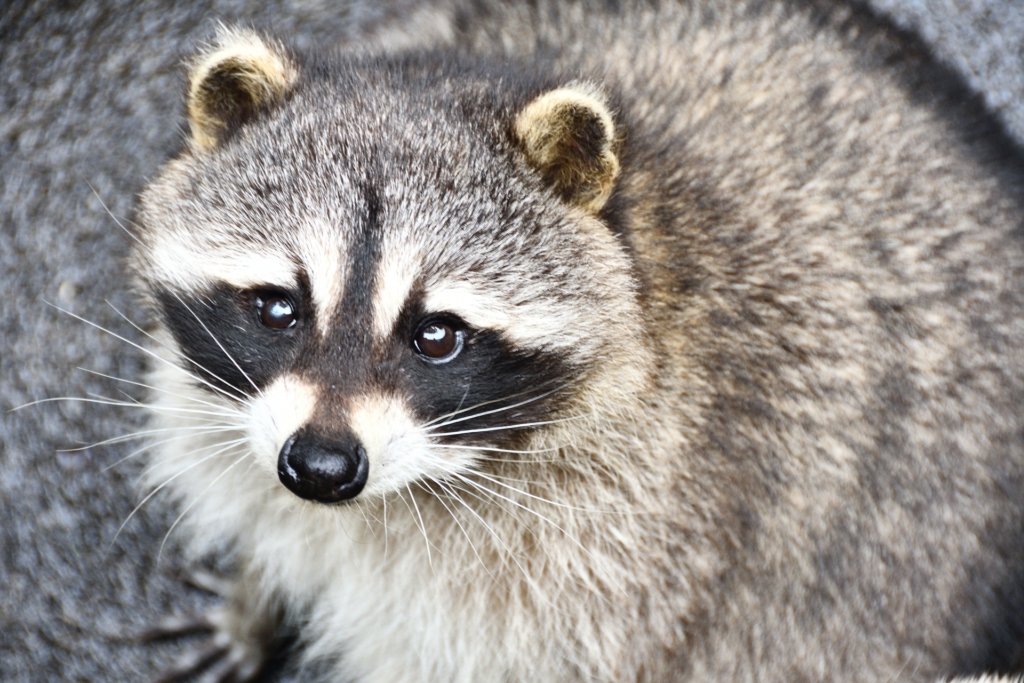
172	627
189	663
222	659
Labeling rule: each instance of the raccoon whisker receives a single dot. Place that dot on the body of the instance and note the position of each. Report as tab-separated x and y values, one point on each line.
237	396
179	456
111	214
531	461
462	400
53	399
217	342
495	479
154	444
222	411
453	490
384	503
540	516
494	449
366	509
469	540
104	400
160	488
899	674
212	416
423	527
366	520
193	399
509	553
520	425
123	438
131	401
517	461
492	401
495	410
184	512
146	351
459	409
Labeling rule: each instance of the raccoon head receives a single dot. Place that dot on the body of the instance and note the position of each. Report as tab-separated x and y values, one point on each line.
395	269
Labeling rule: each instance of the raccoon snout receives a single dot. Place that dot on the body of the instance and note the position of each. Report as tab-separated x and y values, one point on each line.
326	471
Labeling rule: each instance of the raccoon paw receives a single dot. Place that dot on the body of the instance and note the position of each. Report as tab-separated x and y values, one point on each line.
237	646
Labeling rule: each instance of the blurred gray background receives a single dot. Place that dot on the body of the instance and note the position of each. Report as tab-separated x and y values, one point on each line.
90	105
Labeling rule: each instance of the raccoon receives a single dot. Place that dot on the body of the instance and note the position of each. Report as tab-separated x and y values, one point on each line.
592	341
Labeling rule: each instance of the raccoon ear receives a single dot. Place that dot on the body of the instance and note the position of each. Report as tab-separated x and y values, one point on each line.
239	75
568	136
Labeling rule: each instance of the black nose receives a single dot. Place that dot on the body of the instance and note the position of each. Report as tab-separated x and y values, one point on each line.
321	469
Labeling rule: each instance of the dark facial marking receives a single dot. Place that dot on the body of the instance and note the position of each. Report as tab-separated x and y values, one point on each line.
226	335
483	372
342	360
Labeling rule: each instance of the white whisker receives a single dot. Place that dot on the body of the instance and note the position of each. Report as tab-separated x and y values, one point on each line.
469	540
193	503
103	400
193	399
123	438
366	520
237	396
154	444
508	551
493	411
540	516
111	214
495	479
217	342
194	451
499	450
160	488
492	401
423	526
521	425
144	349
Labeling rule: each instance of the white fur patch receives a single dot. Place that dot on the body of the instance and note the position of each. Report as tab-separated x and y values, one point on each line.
186	264
277	413
322	257
398	448
537	325
395	277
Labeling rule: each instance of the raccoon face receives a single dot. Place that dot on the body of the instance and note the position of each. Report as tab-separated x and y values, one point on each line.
393	278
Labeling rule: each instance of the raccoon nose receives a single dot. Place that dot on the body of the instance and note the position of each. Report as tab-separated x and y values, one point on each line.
327	471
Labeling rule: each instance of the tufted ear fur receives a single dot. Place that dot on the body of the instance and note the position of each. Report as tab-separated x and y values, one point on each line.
240	74
568	136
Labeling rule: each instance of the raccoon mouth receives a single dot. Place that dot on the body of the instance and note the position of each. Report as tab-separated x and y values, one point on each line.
322	470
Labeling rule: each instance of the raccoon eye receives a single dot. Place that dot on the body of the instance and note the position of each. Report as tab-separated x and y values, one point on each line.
438	341
275	311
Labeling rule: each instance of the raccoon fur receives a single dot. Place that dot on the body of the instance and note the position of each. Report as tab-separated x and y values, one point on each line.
596	341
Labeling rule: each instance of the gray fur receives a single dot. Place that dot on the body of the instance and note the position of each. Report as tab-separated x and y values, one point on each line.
794	336
52	147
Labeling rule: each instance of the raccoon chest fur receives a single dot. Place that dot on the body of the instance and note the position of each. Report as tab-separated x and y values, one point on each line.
596	342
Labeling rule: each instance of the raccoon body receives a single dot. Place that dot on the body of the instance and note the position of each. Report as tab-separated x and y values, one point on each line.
594	341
